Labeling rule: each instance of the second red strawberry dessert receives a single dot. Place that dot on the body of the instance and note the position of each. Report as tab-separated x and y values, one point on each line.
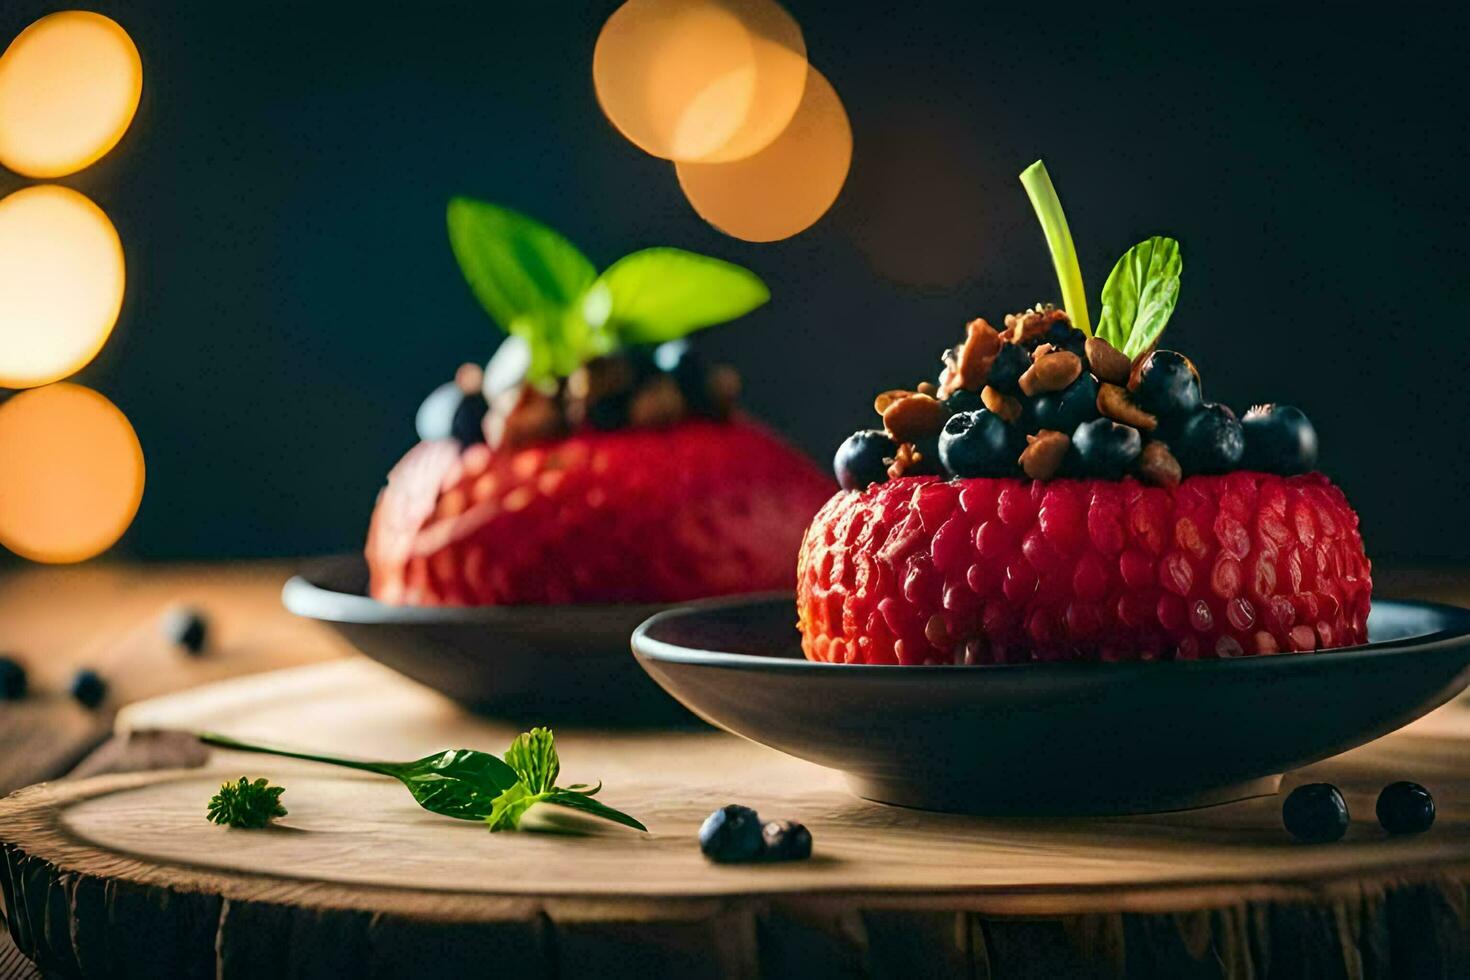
1059	493
596	458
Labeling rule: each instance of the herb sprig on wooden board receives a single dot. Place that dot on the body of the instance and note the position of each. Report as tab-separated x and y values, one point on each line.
246	804
468	784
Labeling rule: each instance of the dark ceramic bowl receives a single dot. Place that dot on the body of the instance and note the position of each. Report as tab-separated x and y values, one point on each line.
534	664
1055	738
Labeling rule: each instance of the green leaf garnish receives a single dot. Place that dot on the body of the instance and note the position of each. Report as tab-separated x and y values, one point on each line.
246	804
468	784
515	265
537	286
1059	239
661	294
533	756
1140	294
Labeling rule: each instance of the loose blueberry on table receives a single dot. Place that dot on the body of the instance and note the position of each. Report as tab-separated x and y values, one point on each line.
735	834
597	457
88	688
1405	808
186	628
1315	813
1063	492
12	679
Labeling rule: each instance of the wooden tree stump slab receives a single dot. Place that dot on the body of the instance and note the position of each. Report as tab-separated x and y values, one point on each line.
122	876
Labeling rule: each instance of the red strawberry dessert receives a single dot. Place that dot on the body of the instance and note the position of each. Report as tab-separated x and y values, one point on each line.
597	458
1064	494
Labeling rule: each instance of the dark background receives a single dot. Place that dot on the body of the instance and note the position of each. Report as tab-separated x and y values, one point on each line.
292	295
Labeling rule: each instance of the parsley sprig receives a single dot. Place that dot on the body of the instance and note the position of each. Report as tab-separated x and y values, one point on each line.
246	804
468	784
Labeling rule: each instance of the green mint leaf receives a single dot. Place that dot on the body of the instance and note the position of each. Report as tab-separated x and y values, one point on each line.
516	266
585	803
1140	294
510	806
533	757
661	294
459	783
1059	239
246	804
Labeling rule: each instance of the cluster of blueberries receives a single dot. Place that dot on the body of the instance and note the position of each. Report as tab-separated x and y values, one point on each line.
1317	814
638	385
183	627
735	834
1110	419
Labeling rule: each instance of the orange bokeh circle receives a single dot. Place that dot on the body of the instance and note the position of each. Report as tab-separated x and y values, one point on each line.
785	188
71	473
711	80
69	86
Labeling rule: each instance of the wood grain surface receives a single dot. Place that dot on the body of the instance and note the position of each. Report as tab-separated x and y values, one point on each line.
358	874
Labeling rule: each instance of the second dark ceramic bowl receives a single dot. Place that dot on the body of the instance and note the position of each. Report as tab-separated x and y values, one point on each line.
1055	738
534	664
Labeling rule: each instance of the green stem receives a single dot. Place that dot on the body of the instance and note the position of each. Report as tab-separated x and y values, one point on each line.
1059	239
225	742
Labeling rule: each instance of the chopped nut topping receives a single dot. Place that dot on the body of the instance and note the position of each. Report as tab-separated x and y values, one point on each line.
881	403
908	460
1029	324
657	403
1158	466
523	416
723	385
469	378
972	363
914	417
1051	373
1001	404
1042	458
1115	403
1107	362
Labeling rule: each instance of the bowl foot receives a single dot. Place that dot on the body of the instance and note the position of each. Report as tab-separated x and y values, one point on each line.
1069	801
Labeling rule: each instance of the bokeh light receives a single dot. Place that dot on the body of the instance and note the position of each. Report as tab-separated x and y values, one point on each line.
71	473
61	284
69	85
786	187
700	79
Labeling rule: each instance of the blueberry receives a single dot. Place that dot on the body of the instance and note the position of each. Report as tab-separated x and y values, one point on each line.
963	400
1279	439
786	840
1007	368
12	679
450	413
1064	410
1106	449
1315	813
731	834
689	370
1405	808
1211	441
88	687
1063	336
977	444
185	627
1167	385
860	459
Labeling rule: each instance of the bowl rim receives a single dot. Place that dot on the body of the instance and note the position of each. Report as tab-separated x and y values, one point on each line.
303	595
651	649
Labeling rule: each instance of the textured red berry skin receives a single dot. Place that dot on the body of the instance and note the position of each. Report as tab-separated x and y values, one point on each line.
634	515
923	571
